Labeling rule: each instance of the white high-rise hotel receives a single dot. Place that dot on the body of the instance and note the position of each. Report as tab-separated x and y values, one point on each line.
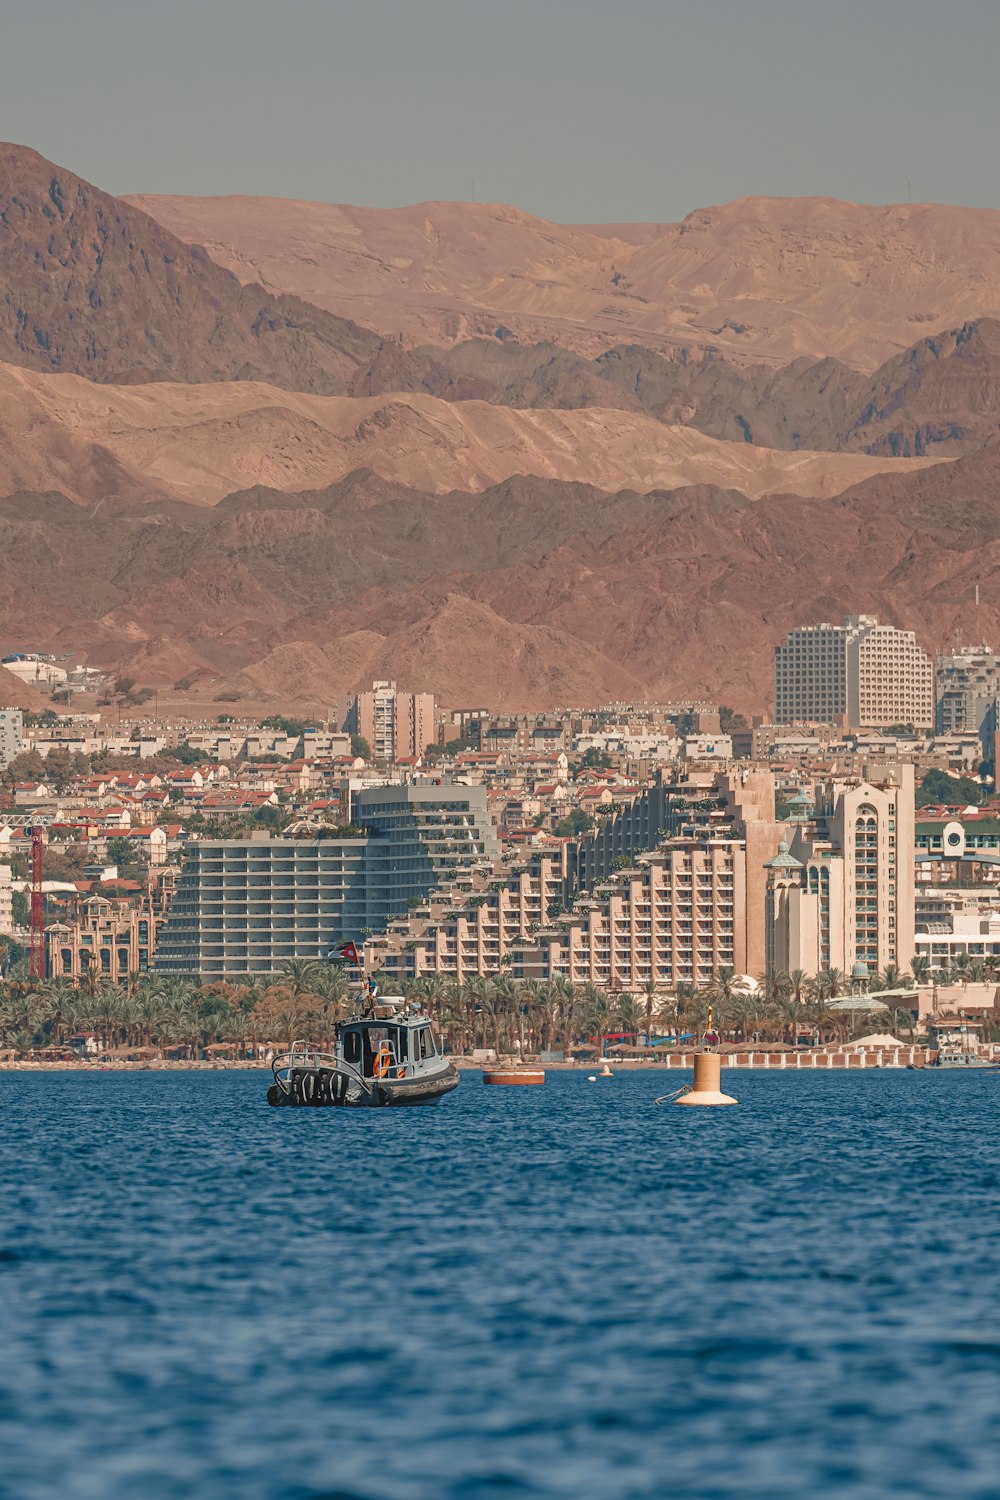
873	676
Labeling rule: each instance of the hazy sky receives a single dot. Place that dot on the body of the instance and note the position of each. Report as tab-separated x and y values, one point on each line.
579	111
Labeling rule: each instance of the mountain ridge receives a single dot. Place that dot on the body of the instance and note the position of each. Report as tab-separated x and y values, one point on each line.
533	593
764	280
199	442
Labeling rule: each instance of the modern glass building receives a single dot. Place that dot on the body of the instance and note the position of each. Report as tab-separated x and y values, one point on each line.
247	906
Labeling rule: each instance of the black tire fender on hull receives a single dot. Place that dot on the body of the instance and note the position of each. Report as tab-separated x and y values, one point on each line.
312	1087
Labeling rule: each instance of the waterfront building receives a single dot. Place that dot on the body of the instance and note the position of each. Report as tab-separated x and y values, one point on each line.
117	939
841	891
680	915
612	907
247	906
693	877
961	938
115	935
471	926
864	674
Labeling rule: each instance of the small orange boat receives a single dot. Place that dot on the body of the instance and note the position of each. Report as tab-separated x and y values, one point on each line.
513	1075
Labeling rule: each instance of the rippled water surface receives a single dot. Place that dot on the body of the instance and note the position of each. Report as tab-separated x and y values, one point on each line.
523	1292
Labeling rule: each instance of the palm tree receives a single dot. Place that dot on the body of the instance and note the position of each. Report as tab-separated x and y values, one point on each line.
479	999
901	1019
300	976
432	989
666	1013
686	1003
819	1015
834	982
288	1019
628	1016
797	981
891	978
566	999
651	995
455	1020
234	1028
724	992
789	1013
596	1012
741	1015
920	968
535	1011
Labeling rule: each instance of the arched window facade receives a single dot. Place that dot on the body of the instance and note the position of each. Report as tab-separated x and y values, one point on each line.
866	924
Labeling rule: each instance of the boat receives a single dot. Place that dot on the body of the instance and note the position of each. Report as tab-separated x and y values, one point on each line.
961	1057
385	1055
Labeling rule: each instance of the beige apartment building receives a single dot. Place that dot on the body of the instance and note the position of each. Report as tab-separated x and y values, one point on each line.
840	891
729	886
861	673
118	941
470	927
395	724
679	916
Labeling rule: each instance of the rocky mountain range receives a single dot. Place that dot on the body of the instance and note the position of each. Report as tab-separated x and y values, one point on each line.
200	442
532	591
518	464
759	280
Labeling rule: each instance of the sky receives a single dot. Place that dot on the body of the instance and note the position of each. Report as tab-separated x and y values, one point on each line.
581	112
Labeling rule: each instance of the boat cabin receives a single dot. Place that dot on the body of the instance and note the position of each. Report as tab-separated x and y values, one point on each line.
388	1044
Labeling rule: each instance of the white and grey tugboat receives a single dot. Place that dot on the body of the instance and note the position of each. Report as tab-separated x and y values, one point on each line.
386	1054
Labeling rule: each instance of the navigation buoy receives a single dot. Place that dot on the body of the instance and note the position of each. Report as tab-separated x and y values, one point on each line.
707	1078
605	1072
522	1076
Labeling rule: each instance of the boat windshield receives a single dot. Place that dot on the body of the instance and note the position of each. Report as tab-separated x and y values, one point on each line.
362	1044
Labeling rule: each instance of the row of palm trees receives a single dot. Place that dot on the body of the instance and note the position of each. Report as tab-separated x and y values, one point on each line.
497	1013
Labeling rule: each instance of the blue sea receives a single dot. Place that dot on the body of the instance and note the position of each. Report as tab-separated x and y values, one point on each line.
555	1292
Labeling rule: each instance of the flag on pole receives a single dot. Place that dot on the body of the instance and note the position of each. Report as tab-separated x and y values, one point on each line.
350	952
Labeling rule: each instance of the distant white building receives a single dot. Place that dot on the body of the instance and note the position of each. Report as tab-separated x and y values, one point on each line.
36	670
872	676
6	901
11	734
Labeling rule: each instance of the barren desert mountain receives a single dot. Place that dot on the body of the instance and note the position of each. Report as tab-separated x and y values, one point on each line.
532	593
764	280
941	396
92	286
17	694
569	463
200	442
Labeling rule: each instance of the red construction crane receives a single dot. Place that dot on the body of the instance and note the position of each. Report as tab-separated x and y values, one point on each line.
37	908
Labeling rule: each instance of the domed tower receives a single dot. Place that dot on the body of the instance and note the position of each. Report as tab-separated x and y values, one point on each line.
784	910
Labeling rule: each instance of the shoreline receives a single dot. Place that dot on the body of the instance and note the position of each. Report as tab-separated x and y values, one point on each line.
903	1056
